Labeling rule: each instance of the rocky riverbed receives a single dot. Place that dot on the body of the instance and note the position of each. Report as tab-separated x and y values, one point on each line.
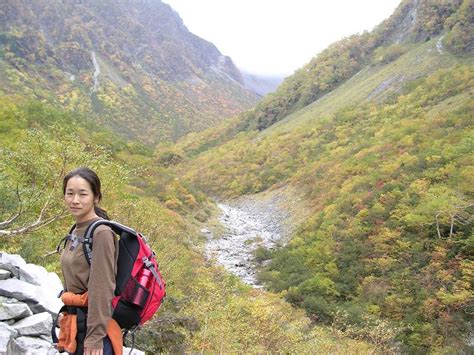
248	223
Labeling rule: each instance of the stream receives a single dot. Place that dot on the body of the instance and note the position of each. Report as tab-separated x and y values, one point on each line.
248	225
96	72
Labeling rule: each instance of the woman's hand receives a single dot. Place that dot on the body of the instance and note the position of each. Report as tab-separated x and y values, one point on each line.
89	351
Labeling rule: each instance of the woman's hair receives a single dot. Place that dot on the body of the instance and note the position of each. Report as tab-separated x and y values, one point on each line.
91	177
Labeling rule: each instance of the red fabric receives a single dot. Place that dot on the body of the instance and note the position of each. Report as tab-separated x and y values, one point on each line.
157	293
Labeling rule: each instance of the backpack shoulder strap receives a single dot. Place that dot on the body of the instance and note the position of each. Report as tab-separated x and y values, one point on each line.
65	239
89	234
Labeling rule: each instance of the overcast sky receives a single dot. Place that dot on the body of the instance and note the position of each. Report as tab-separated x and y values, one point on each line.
278	36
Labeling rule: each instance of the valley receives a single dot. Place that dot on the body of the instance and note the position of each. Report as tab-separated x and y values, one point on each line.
334	213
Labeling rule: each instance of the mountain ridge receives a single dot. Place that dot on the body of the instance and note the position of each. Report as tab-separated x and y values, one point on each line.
451	25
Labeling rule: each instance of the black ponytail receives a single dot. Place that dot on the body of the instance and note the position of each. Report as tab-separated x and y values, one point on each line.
93	179
101	212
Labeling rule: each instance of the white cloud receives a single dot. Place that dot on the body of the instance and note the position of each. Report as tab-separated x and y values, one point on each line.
278	36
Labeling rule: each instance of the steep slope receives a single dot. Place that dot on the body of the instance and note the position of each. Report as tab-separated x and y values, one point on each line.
380	145
132	65
413	21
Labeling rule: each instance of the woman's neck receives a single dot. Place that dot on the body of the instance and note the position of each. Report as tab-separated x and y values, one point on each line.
89	217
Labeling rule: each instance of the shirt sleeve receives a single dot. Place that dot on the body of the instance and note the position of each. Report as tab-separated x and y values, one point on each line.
101	287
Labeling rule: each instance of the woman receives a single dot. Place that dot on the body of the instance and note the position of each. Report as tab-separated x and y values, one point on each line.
81	188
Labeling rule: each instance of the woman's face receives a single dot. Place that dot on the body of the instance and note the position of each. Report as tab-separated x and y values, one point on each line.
80	199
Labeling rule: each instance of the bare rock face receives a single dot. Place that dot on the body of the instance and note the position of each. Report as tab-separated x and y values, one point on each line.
28	303
31	273
38	275
7	334
133	351
30	345
4	274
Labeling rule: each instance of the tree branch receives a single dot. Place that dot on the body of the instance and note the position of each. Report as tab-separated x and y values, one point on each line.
12	219
32	227
457	215
437	225
40	221
9	221
452	226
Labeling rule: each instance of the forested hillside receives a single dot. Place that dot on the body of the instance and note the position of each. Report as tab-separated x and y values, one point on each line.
205	308
377	133
131	65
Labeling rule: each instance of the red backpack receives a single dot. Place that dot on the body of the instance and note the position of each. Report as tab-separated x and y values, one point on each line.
140	288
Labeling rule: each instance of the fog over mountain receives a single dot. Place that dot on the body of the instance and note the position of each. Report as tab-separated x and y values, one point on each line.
261	84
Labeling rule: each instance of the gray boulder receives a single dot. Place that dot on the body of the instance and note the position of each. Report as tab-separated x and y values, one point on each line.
28	299
38	275
37	324
31	273
12	263
11	260
5	274
7	333
10	308
30	346
133	352
39	299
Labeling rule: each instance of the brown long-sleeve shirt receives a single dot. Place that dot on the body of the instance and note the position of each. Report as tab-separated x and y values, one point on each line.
98	278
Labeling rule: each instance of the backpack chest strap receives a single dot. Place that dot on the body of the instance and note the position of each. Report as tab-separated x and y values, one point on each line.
75	240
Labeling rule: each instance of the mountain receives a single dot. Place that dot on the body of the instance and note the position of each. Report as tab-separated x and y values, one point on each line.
412	22
129	65
375	133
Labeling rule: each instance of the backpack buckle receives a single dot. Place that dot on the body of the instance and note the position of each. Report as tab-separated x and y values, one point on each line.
147	262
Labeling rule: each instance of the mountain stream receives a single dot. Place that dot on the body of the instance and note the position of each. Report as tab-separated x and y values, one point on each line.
248	225
96	72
